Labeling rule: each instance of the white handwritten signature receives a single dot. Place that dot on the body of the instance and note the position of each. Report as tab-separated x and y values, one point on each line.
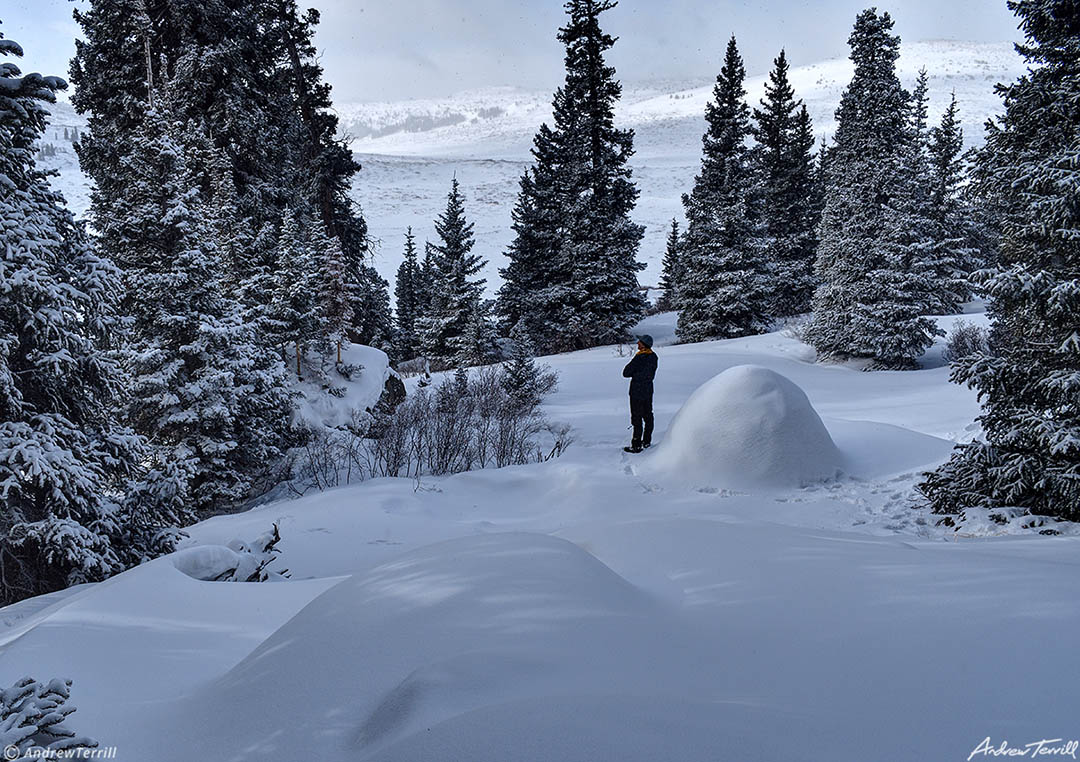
1057	747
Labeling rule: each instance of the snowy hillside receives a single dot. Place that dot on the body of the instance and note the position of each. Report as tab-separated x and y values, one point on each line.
607	611
59	134
410	150
407	174
668	117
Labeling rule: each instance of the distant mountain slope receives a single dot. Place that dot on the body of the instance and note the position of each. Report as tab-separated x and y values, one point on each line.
500	122
411	149
407	170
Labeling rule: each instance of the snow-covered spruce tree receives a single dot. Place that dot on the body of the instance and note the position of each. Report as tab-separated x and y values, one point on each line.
955	222
454	293
784	154
1029	381
479	344
65	458
193	361
890	325
871	294
408	295
295	307
337	292
573	262
521	377
535	286
672	274
327	166
247	69
728	288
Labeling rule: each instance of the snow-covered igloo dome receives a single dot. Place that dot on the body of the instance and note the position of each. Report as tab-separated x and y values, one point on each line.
746	427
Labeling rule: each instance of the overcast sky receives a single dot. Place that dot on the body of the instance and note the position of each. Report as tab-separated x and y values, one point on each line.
394	49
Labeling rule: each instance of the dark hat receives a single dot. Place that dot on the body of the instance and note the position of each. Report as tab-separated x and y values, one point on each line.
645	339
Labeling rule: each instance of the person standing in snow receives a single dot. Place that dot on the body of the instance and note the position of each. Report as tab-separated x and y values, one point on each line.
641	370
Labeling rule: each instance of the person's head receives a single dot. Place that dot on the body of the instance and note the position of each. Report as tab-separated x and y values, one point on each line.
644	341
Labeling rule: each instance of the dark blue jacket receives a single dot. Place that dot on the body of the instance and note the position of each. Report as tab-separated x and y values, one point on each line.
641	370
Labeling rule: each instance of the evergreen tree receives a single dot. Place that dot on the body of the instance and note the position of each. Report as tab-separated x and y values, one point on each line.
65	458
891	327
454	295
785	139
954	255
336	292
191	356
573	262
873	290
295	307
534	287
480	342
1027	380
248	70
728	286
672	274
521	376
409	293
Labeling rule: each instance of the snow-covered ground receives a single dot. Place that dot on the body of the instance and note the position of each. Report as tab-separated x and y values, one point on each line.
594	608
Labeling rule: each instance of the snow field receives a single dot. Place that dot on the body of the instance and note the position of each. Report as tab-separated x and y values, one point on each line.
581	609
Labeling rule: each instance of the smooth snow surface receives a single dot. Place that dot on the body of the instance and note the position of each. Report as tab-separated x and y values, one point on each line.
746	427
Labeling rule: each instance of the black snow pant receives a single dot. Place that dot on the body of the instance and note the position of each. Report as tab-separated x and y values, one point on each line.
641	413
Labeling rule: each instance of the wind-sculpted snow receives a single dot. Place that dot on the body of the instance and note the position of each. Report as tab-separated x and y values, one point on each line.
440	631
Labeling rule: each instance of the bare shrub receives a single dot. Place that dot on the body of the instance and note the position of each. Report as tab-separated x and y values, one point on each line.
467	421
964	340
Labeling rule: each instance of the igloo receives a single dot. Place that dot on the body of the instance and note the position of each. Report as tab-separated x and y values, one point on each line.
746	427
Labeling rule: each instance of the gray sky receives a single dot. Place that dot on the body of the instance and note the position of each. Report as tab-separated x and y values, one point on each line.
394	49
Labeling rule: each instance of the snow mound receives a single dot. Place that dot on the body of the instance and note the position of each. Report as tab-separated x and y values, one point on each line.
747	427
321	406
441	630
210	562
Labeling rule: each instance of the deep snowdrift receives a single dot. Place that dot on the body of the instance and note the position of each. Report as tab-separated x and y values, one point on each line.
451	627
747	427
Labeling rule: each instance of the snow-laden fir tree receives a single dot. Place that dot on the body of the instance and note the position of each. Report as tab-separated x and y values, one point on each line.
521	377
728	288
1029	381
672	274
295	309
534	287
955	220
34	722
890	324
454	290
65	457
480	343
197	393
872	291
337	290
249	70
409	301
573	264
784	153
